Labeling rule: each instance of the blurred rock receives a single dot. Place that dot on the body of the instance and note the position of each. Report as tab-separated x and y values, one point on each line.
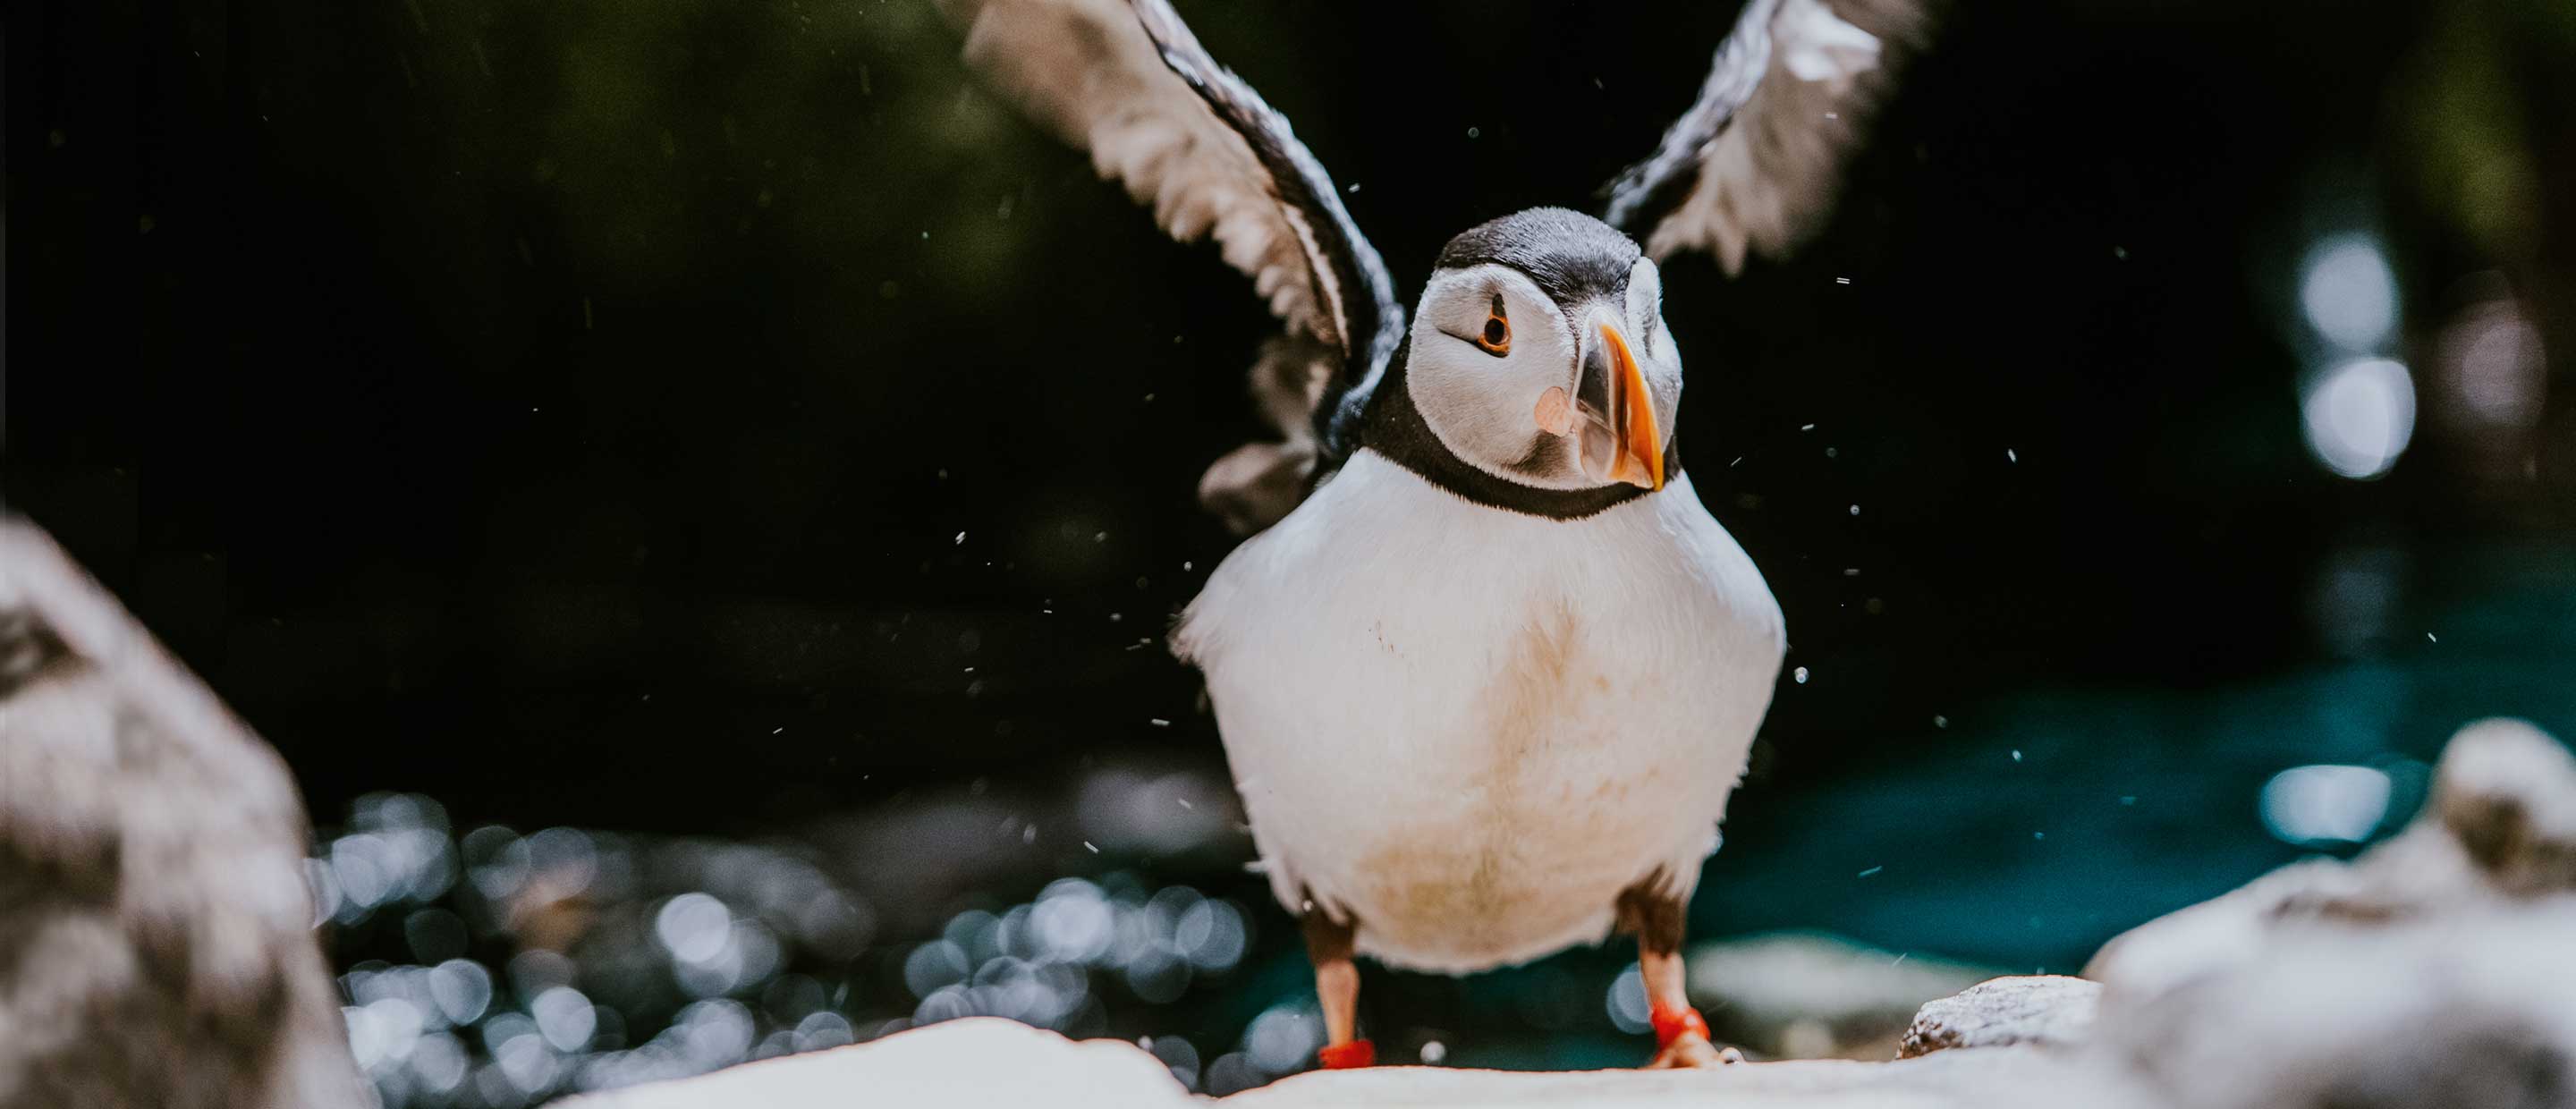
2439	968
2498	833
975	1061
2044	1009
983	1062
1812	996
2007	1079
156	934
2472	1010
2507	795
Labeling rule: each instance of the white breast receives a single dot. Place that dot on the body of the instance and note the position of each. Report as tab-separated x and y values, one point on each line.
1469	728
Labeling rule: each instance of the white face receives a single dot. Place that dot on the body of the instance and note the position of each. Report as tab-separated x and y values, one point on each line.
1540	393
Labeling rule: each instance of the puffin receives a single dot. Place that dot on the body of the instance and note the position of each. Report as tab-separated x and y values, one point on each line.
1485	668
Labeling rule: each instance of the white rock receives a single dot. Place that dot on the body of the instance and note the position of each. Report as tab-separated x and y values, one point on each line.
2439	968
2002	1079
2498	833
966	1064
2467	1010
2047	1009
974	1063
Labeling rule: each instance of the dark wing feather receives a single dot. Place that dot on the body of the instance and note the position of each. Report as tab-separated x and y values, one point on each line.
1131	85
1755	163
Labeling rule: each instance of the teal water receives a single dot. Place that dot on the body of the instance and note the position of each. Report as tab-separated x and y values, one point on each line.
2039	824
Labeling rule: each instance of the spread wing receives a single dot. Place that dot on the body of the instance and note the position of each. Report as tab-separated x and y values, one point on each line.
1754	164
1130	84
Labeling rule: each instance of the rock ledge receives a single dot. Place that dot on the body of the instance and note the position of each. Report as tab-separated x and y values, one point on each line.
984	1061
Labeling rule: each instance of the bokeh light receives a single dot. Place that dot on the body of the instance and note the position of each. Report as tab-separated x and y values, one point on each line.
2489	386
2325	804
569	959
2348	293
1284	1037
2360	416
1627	1001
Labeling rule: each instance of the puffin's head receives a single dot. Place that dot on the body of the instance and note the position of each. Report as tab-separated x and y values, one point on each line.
1540	355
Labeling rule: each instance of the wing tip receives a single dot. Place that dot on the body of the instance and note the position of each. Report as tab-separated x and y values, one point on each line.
1726	176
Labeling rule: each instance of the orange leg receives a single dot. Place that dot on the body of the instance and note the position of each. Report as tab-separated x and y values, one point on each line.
1681	1036
1337	985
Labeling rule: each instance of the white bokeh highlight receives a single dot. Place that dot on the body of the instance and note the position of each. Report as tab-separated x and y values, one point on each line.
2349	293
2325	804
2360	415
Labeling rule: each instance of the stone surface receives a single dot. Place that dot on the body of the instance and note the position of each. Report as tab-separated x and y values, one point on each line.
978	1062
156	942
2041	1009
2002	1079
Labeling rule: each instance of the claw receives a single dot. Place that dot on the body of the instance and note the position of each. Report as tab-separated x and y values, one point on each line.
1692	1053
1683	1039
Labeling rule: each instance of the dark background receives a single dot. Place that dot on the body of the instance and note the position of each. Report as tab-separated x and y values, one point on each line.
710	418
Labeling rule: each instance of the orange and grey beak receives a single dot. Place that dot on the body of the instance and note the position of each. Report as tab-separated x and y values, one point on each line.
1620	439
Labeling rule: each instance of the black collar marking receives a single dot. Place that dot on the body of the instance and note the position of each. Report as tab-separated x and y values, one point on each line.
1394	427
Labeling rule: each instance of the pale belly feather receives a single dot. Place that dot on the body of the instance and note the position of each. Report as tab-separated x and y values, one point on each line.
1469	730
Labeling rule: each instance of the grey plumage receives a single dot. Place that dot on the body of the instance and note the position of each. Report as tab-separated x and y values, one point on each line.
156	941
1755	164
1568	255
1132	86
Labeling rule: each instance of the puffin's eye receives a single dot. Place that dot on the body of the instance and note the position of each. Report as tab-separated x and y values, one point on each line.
1497	336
